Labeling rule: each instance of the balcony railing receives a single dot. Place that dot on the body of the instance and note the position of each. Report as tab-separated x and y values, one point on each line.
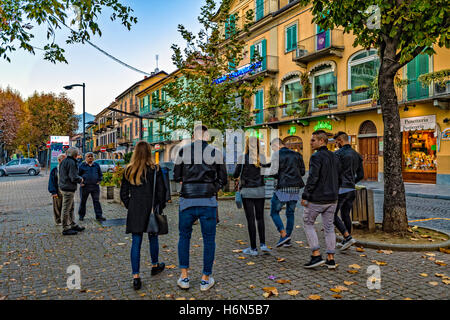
264	8
414	90
125	139
327	43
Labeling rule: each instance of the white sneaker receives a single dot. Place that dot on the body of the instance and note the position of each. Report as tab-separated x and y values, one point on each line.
183	283
265	249
250	251
206	285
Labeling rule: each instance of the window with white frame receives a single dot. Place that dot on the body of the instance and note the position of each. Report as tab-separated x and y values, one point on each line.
324	88
362	70
292	91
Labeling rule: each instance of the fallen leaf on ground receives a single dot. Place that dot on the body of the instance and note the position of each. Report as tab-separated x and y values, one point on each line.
337	296
440	275
407	299
424	275
414	239
251	286
281	259
440	263
433	283
283	281
196	245
121	244
297	227
237	251
271	291
143	294
355	266
446	281
35	264
425	236
431	258
386	251
239	225
349	283
336	290
298	242
250	263
363	255
242	258
430	254
380	263
353	271
169	295
181	298
359	249
314	297
172	266
293	292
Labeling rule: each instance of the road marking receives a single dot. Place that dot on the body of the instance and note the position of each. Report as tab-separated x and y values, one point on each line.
429	219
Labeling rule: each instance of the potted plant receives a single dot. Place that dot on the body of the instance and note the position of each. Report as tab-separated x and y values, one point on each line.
322	106
117	181
361	88
107	186
323	96
347	92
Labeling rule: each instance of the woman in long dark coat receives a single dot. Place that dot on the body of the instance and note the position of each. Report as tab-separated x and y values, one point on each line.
136	193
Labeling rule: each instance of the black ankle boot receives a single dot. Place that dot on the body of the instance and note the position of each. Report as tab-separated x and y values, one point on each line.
137	284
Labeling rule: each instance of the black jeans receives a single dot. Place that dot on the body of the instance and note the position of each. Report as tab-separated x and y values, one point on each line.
94	191
254	208
345	205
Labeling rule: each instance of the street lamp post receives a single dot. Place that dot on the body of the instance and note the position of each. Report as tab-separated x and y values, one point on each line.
84	112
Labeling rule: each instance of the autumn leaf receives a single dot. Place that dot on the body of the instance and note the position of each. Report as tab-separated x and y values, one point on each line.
407	299
363	255
349	283
425	236
293	292
414	239
283	281
251	286
237	251
359	249
314	297
433	283
440	275
424	275
336	290
250	263
380	263
446	281
35	264
270	291
172	266
440	263
444	250
355	266
337	296
281	259
241	258
181	298
143	294
430	254
196	245
353	271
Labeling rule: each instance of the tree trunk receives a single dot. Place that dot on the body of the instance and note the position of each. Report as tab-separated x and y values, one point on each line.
394	207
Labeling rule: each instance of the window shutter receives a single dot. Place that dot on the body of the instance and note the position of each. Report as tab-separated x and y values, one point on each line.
411	76
422	68
252	53
264	54
294	37
288	39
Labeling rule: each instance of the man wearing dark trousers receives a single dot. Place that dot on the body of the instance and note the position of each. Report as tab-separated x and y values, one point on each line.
92	176
352	172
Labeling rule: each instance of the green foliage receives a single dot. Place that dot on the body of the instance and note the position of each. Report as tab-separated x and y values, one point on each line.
306	84
117	176
127	157
18	17
440	77
207	57
107	180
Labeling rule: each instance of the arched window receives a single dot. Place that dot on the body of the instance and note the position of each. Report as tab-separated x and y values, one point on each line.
324	85
362	69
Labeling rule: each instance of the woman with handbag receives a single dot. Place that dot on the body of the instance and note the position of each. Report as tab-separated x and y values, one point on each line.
251	189
143	193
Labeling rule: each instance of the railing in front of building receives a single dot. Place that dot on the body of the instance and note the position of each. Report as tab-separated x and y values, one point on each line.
323	42
414	90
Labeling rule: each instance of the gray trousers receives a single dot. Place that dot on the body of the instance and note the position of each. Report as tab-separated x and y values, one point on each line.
310	214
57	207
68	210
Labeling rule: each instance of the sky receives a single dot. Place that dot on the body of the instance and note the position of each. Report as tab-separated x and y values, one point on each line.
105	79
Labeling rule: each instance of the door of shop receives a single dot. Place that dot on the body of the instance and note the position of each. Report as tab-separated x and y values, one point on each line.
368	148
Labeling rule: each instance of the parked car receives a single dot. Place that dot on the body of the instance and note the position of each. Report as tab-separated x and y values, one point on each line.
108	165
25	165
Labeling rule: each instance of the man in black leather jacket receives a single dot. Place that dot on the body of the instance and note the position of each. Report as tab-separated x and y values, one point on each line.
288	168
200	168
320	197
352	172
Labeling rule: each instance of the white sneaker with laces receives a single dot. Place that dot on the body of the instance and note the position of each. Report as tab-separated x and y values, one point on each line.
183	283
206	285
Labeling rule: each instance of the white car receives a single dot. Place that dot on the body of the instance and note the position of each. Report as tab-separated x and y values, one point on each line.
107	165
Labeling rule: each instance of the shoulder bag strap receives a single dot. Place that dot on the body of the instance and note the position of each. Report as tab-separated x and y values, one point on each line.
154	190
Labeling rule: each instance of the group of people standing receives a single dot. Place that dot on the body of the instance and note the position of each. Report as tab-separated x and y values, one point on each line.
63	184
329	190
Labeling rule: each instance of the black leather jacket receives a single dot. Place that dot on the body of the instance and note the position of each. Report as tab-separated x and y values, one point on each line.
200	180
291	168
251	175
323	181
351	165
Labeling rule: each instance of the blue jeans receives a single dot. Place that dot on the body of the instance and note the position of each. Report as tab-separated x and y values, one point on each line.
136	250
207	217
275	208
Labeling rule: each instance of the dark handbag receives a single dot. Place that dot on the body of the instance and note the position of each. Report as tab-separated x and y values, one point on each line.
157	223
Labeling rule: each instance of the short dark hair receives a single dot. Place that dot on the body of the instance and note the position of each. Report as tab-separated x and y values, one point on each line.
321	135
202	127
342	135
277	140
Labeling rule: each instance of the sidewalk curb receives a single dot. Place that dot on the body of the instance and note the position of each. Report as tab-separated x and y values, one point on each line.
403	247
417	195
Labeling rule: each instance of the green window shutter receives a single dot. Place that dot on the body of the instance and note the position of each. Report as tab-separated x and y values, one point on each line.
259	9
227	30
264	54
411	76
422	68
288	39
294	37
252	53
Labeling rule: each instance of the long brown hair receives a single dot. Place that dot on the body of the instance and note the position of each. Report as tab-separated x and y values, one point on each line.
141	159
247	150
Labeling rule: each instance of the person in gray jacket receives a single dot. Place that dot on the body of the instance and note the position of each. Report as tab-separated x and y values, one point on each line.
68	181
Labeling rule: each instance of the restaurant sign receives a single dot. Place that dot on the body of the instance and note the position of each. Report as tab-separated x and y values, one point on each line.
418	123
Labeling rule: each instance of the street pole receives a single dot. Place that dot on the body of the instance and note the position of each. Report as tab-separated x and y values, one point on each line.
84	120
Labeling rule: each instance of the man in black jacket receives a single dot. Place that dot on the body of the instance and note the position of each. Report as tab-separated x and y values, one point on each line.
352	172
320	197
200	168
53	188
92	176
68	180
288	168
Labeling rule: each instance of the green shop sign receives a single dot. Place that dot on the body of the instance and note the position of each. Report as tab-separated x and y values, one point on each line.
292	130
323	125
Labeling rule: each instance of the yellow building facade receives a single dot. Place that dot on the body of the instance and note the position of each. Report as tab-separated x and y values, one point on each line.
296	54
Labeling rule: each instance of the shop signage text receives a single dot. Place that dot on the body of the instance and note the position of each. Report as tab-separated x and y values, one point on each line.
240	72
323	125
418	123
445	135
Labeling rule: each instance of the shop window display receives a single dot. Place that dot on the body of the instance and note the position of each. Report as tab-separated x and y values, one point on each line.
419	152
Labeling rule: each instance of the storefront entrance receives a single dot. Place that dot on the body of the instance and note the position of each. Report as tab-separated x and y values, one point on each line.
419	149
294	143
368	148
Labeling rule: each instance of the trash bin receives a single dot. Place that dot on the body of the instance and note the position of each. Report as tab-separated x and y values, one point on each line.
363	208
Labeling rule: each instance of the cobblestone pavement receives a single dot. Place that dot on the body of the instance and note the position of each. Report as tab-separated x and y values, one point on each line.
34	258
